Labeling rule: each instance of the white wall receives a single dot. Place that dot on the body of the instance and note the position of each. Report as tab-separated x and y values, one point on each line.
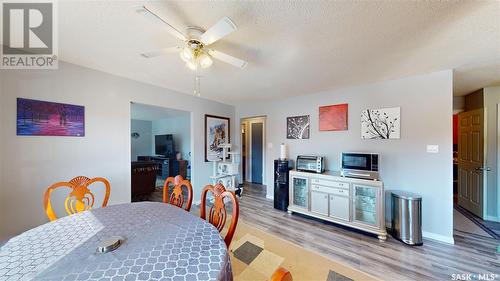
180	128
30	164
143	145
426	109
491	100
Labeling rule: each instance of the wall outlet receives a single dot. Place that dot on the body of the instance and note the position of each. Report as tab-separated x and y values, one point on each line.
269	145
432	148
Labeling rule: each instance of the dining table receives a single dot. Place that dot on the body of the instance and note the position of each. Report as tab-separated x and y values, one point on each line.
158	242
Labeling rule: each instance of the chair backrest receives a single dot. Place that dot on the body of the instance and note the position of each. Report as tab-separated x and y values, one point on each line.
217	215
177	196
79	199
281	274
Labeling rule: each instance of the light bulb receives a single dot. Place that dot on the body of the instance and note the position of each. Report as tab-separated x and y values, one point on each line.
191	65
186	54
205	60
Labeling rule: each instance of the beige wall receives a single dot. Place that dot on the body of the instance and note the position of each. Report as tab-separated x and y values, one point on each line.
28	165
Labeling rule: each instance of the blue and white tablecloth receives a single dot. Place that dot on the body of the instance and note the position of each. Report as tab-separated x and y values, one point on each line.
162	242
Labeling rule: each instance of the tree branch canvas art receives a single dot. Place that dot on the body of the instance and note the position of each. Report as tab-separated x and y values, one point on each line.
383	123
297	127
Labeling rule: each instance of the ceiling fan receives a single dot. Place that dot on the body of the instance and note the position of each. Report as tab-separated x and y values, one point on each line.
195	51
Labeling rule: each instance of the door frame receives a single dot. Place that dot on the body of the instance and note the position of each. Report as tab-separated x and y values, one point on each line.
248	121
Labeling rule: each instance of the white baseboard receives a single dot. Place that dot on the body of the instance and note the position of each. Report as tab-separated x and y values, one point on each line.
197	202
438	237
492	218
270	197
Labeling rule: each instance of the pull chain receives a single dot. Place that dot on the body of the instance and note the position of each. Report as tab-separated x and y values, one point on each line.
196	82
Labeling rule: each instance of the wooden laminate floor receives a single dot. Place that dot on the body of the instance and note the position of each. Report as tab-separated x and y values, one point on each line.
390	260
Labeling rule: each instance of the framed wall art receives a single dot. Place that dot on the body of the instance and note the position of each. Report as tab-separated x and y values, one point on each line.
217	132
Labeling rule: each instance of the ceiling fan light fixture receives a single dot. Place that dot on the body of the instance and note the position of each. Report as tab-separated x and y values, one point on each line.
205	60
186	54
191	65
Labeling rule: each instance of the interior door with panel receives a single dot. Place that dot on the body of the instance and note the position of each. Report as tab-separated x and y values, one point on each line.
300	192
471	166
366	201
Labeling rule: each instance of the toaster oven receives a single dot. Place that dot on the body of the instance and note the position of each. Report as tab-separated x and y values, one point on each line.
309	163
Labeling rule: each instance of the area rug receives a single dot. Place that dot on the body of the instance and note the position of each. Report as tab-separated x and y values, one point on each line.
492	228
255	255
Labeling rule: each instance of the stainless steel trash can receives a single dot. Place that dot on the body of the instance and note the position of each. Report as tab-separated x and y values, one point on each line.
407	217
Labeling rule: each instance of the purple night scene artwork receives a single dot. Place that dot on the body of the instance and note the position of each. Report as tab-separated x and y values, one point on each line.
43	118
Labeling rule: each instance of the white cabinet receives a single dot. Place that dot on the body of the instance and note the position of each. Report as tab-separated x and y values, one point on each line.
357	203
339	207
319	203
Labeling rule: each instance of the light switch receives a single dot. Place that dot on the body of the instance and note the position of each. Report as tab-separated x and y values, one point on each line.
269	145
432	148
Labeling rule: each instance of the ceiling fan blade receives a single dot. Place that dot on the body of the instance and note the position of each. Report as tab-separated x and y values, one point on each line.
222	28
152	15
228	59
160	52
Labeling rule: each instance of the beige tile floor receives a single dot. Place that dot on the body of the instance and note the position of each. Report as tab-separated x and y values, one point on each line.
460	222
302	263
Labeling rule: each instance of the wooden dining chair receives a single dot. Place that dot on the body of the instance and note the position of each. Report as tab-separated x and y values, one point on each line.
177	196
281	274
79	199
217	215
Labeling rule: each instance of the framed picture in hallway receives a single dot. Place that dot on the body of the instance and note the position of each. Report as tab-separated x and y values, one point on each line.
43	118
297	127
333	117
217	132
383	123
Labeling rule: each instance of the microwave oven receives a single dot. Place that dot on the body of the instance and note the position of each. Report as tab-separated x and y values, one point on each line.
360	165
307	163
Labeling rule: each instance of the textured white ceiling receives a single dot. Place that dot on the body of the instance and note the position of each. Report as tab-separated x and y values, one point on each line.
293	47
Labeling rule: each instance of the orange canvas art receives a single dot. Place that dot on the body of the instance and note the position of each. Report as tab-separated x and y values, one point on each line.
333	117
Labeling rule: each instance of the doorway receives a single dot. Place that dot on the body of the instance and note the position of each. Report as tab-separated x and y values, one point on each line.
475	134
253	146
161	145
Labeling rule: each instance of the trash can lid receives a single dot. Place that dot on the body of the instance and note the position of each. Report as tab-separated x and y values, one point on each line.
406	195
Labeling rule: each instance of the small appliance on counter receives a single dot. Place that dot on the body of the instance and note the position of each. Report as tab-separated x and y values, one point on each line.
281	181
309	163
359	165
